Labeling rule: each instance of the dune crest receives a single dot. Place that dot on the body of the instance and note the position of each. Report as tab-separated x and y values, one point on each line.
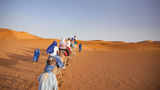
11	34
147	41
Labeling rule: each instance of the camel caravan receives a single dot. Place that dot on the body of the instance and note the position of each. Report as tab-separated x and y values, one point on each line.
58	58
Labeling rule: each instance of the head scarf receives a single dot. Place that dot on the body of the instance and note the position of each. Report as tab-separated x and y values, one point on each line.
54	43
49	68
72	39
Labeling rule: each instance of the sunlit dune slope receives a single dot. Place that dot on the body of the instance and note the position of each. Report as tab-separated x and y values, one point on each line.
11	34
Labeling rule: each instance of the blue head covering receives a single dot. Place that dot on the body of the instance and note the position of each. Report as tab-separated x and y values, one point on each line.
54	43
50	49
48	68
72	39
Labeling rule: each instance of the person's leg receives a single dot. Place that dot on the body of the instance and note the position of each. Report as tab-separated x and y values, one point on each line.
59	61
64	52
34	58
60	50
67	51
57	57
37	58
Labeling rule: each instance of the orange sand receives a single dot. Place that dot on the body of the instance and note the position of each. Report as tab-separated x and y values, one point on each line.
100	66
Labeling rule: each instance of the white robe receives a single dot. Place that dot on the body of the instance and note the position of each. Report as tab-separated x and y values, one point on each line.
48	81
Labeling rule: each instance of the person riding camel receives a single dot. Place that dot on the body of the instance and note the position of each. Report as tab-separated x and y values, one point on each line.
48	80
62	46
69	45
53	51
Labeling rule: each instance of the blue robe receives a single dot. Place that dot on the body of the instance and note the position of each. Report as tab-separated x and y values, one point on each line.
36	55
80	47
48	81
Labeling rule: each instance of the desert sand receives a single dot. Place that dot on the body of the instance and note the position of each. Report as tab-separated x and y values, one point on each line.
102	65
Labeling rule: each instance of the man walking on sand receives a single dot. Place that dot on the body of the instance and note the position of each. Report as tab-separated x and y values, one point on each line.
36	55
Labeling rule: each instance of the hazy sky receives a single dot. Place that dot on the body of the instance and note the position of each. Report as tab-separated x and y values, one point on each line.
110	20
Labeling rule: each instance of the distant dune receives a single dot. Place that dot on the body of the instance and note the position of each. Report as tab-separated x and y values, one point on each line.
11	34
149	41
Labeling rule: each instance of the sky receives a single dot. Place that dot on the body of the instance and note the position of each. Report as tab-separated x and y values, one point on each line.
109	20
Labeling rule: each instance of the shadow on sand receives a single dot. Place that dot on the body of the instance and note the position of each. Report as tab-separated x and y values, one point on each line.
15	58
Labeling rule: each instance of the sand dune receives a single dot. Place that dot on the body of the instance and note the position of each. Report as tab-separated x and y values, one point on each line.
11	34
101	65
